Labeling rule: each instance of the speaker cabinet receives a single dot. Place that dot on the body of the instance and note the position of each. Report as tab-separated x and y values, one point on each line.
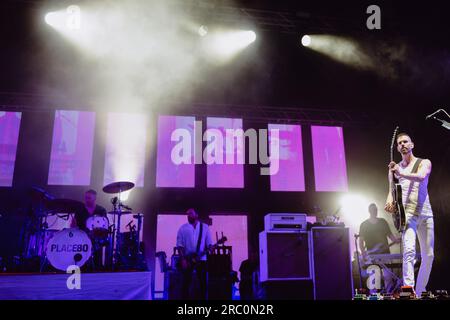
332	263
284	256
174	286
220	287
287	290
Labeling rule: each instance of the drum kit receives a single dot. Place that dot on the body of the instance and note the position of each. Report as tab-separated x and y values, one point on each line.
102	245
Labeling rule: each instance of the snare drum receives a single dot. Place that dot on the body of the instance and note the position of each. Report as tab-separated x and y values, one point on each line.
69	247
98	227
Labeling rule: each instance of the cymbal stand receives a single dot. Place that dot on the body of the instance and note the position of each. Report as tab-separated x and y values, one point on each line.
117	237
394	277
43	226
139	219
112	239
34	230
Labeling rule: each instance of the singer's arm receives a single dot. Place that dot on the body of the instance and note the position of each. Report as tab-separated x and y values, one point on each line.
422	173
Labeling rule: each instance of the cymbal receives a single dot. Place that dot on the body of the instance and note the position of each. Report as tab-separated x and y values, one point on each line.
40	194
117	187
117	212
65	205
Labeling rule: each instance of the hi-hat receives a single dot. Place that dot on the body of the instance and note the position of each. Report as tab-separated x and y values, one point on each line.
120	212
117	187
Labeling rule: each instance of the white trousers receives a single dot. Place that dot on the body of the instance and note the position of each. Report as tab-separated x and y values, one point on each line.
421	227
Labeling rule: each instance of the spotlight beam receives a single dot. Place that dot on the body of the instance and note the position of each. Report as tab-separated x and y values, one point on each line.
224	45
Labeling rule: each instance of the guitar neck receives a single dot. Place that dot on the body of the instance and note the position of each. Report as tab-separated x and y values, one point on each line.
393	143
212	247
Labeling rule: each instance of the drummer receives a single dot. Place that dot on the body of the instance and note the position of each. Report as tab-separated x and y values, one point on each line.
90	208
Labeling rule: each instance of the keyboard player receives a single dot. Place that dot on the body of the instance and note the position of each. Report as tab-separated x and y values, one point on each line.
373	239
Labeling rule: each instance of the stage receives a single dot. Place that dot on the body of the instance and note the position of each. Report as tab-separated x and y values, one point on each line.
93	286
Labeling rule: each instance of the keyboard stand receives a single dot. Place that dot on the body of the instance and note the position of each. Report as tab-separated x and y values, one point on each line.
395	278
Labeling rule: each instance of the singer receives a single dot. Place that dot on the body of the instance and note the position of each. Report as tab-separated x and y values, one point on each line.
413	174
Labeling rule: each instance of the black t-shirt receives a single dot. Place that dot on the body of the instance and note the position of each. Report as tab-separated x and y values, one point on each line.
82	215
247	268
375	233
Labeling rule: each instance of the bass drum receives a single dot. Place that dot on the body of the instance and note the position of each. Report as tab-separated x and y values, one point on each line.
69	247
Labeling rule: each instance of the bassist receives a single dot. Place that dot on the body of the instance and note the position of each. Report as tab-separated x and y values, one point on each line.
193	239
413	174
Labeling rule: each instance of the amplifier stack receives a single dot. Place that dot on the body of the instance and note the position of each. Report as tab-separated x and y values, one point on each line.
301	262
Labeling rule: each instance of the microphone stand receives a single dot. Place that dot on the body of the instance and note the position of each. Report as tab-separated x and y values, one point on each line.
432	114
357	257
113	242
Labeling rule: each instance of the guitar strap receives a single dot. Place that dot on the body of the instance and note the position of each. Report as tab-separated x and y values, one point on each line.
199	238
416	165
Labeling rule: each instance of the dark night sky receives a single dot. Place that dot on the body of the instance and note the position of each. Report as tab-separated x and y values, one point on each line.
290	75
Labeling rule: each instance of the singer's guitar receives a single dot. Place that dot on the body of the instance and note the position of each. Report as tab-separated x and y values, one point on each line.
398	215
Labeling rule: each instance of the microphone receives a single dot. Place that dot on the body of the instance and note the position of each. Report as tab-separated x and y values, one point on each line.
125	207
444	123
114	200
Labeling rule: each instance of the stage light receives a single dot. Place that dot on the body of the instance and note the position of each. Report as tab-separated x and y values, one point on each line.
306	40
226	44
125	129
354	209
203	31
234	41
51	18
251	36
73	17
69	19
125	195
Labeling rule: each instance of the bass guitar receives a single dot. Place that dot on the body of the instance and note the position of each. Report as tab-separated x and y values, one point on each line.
188	261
